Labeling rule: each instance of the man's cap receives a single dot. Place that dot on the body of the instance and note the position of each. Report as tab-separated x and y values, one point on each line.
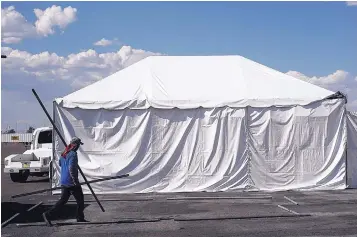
76	140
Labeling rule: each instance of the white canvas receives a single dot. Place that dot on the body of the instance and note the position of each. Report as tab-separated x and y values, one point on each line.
352	149
217	123
162	150
211	150
298	148
188	82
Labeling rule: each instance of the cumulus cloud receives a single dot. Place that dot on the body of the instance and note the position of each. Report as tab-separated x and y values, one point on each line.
11	40
351	3
53	76
103	42
336	77
15	27
85	67
338	81
52	17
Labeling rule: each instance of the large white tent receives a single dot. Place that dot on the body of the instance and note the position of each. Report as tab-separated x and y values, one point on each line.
206	123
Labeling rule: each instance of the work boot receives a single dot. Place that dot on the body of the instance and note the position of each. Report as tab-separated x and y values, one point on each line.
45	218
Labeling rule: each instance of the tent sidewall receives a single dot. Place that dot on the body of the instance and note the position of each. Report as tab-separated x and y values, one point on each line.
210	149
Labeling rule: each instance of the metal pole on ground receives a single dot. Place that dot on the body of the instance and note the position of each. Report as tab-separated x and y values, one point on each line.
56	188
64	142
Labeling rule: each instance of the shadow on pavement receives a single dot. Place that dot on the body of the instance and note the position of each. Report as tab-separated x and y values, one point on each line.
45	180
8	209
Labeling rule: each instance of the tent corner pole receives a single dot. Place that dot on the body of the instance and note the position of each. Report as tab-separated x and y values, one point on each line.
346	143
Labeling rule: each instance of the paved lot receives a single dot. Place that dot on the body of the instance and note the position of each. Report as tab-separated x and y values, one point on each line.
332	213
9	188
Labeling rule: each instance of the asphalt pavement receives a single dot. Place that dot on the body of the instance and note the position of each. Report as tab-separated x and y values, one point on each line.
291	213
9	188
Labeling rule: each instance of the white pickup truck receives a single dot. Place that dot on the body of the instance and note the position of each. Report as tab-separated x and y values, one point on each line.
34	162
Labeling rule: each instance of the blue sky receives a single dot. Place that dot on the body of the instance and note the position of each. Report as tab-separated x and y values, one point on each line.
315	39
312	37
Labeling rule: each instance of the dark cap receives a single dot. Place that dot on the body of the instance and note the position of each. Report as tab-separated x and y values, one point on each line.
76	140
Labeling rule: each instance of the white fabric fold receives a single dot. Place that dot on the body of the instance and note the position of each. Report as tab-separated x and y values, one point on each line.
218	149
352	149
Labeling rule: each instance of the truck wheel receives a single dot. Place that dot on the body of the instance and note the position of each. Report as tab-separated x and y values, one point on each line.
20	177
15	177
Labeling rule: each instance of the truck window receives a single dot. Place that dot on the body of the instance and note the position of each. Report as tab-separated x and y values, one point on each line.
45	137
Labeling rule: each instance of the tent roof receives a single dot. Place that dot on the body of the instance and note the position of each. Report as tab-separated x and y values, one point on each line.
194	81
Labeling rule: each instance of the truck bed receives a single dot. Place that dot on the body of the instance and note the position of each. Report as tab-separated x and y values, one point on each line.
23	157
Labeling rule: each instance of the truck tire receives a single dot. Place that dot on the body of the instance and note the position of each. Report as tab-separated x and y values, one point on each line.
20	177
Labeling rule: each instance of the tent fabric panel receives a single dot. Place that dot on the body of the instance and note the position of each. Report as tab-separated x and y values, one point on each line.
220	149
162	150
352	149
298	148
188	82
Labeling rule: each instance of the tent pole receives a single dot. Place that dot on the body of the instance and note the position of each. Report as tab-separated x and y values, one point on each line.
56	188
53	145
346	145
64	142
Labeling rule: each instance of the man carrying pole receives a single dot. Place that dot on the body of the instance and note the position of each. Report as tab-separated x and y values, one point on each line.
69	182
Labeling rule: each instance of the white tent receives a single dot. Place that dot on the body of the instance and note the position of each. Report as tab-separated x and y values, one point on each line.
206	123
352	149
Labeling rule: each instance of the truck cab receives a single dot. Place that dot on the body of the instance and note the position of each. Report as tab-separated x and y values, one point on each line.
35	161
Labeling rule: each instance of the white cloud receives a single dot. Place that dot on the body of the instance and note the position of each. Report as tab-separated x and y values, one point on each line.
54	76
11	40
336	77
103	42
106	42
6	50
338	81
86	67
351	3
15	27
52	17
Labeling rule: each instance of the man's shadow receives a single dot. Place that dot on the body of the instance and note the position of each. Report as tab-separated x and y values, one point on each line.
8	209
43	180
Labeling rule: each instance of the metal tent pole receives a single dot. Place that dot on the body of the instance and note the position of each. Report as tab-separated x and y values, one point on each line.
64	142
